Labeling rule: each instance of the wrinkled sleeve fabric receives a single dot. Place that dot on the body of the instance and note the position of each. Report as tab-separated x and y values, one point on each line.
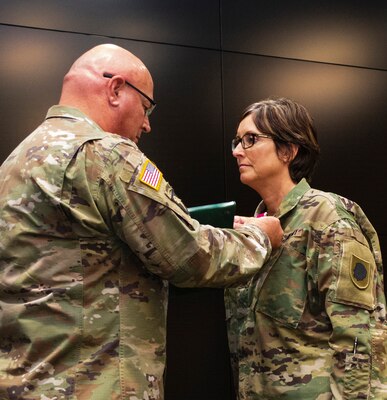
347	272
157	228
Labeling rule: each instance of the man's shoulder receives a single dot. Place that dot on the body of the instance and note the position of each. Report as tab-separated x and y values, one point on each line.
116	149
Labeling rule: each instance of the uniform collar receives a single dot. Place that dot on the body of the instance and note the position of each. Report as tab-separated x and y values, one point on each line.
59	111
74	114
290	200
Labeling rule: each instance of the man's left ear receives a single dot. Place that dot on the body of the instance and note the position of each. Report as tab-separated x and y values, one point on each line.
115	86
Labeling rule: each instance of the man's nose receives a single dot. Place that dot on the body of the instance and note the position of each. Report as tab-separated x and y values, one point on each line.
146	127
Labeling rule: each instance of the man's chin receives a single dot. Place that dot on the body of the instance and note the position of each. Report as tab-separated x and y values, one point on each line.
134	138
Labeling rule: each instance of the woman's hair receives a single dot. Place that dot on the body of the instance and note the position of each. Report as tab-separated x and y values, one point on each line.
288	123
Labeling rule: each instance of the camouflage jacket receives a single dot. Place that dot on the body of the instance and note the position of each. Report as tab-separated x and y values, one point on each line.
89	232
312	323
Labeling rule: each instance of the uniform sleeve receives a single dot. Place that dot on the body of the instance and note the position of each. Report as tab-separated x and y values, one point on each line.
347	269
153	221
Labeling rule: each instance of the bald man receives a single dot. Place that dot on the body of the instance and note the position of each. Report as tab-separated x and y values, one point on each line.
90	232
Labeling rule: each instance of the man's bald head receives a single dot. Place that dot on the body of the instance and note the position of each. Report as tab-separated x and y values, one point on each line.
85	88
105	57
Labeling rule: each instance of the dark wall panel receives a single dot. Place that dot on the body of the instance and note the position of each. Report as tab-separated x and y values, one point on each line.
198	365
188	22
344	32
187	137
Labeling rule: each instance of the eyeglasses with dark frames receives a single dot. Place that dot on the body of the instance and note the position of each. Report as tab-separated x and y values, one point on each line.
149	110
247	140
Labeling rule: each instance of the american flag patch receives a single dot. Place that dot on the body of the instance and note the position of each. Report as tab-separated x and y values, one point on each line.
151	175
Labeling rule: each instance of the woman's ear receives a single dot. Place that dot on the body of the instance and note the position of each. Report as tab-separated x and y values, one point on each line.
289	154
294	150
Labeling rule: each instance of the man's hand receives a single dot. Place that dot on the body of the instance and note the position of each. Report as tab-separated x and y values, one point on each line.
270	225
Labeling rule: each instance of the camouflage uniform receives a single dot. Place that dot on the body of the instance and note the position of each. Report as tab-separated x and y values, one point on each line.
312	324
81	318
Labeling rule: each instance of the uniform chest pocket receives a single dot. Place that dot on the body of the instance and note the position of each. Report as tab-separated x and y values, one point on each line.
283	293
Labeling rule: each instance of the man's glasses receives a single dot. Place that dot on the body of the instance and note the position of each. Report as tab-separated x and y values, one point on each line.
149	110
247	140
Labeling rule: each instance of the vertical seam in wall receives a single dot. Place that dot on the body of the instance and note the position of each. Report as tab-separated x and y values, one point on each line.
225	190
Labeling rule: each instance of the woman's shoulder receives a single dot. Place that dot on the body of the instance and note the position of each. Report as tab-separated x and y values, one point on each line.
325	208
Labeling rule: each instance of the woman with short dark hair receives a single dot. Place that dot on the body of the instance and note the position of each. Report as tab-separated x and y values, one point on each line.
312	324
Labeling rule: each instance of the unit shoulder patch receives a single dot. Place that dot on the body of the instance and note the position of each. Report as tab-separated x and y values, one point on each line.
355	275
360	272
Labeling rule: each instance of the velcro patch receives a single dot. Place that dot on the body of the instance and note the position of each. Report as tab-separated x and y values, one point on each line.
151	175
356	274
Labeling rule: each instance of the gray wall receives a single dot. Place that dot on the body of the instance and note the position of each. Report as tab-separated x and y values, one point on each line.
209	60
